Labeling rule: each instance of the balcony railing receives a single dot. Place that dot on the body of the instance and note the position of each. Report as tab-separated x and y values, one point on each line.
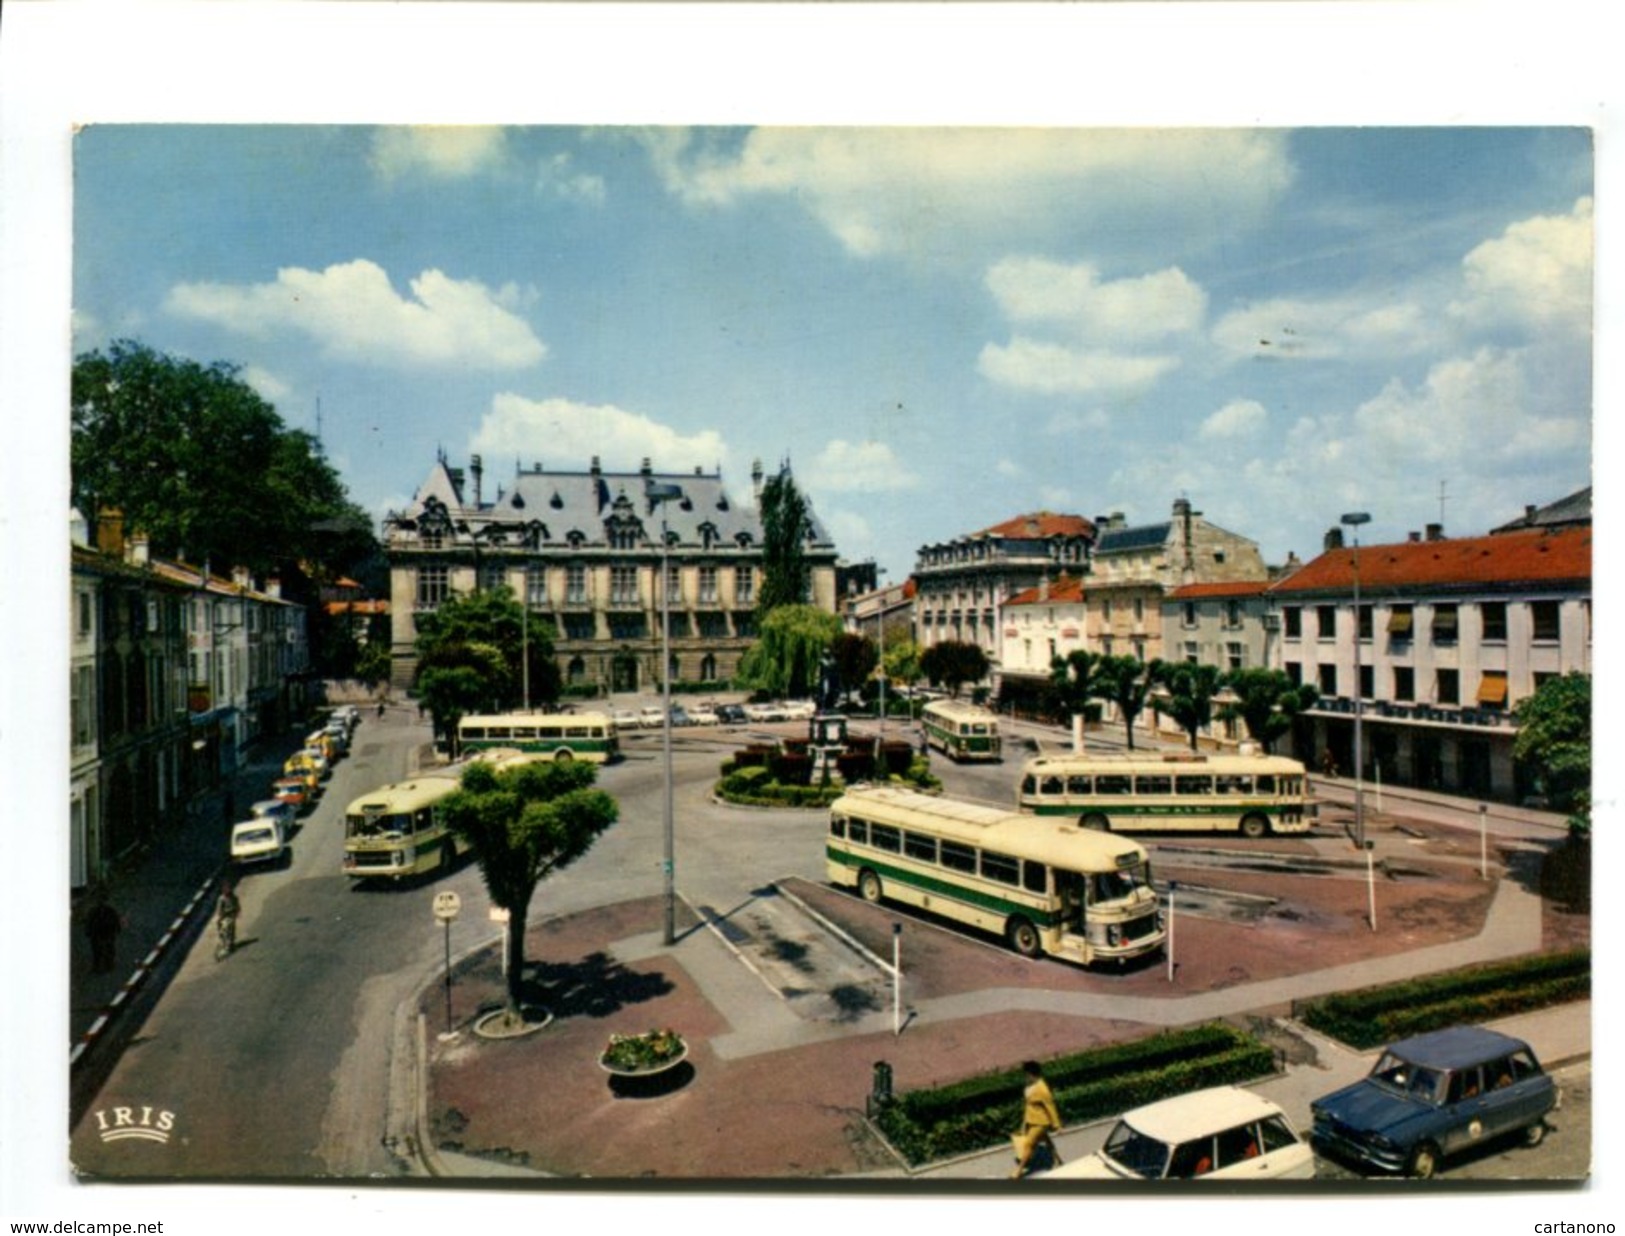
1437	714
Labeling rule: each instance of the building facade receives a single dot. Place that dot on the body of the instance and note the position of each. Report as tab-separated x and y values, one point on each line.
584	552
174	672
963	584
1448	636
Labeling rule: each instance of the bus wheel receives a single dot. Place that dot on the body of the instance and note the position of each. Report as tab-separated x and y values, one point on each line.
869	886
564	757
1099	823
1254	826
1024	937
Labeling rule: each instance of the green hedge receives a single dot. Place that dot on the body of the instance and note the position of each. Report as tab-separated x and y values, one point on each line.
984	1111
1373	1016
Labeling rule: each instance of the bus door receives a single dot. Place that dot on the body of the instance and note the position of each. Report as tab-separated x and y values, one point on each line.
1070	888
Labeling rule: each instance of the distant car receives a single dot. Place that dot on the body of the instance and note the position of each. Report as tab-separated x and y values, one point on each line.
731	714
1223	1133
679	716
652	717
799	710
275	809
259	840
626	718
702	714
766	712
1434	1095
294	790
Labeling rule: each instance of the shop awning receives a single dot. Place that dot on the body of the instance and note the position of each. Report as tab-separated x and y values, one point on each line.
1492	689
1399	622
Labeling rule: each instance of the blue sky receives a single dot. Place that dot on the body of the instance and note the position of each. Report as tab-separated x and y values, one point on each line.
940	327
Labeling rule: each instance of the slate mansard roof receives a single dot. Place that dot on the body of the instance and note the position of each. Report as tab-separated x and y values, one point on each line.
560	506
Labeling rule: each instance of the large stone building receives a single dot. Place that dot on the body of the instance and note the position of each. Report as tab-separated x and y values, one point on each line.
584	552
1450	634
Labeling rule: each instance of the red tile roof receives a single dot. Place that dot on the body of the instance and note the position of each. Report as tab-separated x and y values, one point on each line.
1510	558
1233	588
1040	525
1061	591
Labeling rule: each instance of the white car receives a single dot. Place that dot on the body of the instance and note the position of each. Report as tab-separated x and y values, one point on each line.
260	840
1225	1133
800	710
626	718
765	712
276	809
702	714
652	717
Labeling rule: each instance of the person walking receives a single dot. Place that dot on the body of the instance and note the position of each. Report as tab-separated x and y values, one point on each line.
1039	1118
102	925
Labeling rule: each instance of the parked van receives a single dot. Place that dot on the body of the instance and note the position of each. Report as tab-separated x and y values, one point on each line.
263	839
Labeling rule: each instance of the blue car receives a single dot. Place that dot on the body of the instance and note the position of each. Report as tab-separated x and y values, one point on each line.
1432	1096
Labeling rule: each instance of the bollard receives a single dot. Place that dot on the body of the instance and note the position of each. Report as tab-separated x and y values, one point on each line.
881	1094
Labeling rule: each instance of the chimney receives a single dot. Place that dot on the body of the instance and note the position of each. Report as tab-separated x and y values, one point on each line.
1414	538
139	552
647	469
476	468
273	588
1435	532
597	468
241	577
1334	539
1529	511
756	477
110	531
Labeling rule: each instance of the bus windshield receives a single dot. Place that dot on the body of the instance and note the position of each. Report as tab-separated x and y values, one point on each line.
378	824
1118	885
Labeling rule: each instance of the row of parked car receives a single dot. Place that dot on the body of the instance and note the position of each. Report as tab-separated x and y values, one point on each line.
652	717
263	838
1427	1098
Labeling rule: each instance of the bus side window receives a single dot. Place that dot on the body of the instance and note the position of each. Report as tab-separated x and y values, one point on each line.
1029	784
1193	785
1001	867
858	831
885	837
917	845
1265	783
1153	785
1079	784
837	826
958	857
1034	877
1051	785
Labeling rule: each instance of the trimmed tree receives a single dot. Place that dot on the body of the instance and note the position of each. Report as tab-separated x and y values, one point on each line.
1267	702
1077	680
1191	689
1554	742
523	824
1126	682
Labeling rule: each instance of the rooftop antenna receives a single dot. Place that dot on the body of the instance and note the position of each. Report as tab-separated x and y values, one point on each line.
321	449
1442	501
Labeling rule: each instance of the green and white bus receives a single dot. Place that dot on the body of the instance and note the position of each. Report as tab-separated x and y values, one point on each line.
1045	886
1251	794
962	731
397	831
549	736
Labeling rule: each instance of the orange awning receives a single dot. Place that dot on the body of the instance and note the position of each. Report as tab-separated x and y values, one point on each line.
1492	689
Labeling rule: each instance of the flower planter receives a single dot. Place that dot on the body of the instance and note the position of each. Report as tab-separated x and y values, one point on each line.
654	1069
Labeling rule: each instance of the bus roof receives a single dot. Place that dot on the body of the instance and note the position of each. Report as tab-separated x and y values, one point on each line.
1048	839
550	718
427	787
960	708
1164	761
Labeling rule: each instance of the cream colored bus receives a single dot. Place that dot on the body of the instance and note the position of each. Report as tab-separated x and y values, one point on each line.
1045	886
1254	795
397	831
588	736
962	731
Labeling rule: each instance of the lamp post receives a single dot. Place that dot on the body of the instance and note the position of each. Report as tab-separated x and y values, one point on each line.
659	493
880	577
1353	520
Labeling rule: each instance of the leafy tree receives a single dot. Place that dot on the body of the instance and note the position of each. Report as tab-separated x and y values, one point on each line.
373	664
786	523
953	663
1267	702
1191	688
902	661
791	643
1077	679
470	652
1125	681
856	657
196	459
1554	741
523	824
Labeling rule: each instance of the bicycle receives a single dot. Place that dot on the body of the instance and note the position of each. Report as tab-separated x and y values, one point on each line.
226	936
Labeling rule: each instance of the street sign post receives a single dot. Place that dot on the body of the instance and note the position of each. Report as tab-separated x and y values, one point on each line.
446	908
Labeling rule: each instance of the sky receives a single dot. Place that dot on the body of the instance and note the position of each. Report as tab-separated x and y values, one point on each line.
938	327
693	240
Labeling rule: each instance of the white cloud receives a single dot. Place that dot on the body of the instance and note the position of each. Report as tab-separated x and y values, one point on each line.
269	387
1467	406
1240	418
353	313
889	190
1325	329
544	429
869	467
557	178
1151	306
442	152
1538	273
1064	423
1009	468
1052	368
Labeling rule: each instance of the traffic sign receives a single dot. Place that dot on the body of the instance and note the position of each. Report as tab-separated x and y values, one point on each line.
446	906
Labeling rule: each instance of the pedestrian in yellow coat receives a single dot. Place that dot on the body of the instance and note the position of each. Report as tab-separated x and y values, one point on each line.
1039	1117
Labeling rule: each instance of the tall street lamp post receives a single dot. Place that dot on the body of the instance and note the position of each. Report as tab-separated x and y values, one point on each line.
880	579
1353	520
659	493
